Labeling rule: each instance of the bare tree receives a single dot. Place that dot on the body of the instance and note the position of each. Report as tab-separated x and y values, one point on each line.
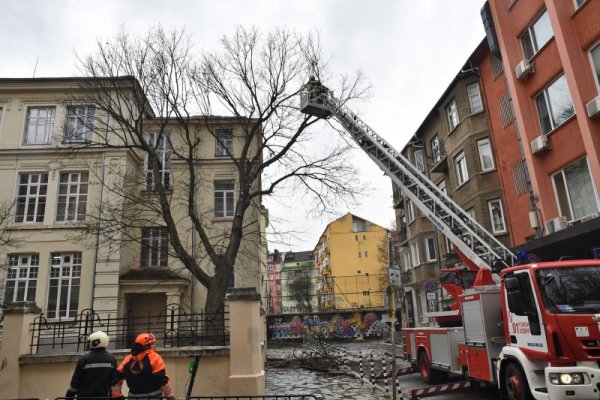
7	240
301	290
157	84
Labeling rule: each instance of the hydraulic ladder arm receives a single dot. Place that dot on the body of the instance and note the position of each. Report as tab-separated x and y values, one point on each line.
475	242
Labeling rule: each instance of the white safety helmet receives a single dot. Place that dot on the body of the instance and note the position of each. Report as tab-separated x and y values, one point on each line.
98	339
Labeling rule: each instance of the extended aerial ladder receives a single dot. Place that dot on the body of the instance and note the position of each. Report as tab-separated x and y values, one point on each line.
471	239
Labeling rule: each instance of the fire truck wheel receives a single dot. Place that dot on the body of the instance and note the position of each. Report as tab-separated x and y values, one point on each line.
515	383
424	367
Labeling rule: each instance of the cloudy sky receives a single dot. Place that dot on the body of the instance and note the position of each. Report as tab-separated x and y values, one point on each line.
409	50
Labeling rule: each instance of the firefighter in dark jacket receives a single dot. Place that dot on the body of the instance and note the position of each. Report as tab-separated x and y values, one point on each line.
95	370
144	371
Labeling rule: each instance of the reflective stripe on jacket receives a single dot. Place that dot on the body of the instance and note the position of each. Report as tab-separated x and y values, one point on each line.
93	374
145	374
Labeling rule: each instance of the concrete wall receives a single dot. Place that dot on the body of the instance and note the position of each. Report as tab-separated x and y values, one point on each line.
234	370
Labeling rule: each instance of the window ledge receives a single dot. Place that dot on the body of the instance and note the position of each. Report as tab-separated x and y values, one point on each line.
18	226
500	233
477	113
557	128
487	171
462	184
576	11
222	219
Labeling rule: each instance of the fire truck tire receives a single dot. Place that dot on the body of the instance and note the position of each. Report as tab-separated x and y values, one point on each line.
424	367
515	385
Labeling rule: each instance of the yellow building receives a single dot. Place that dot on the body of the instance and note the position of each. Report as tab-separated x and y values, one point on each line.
351	261
55	192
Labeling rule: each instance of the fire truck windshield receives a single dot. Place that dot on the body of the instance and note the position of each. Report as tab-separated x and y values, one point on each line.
570	290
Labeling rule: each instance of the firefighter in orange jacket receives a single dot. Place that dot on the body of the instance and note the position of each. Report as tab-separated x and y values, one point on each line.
144	371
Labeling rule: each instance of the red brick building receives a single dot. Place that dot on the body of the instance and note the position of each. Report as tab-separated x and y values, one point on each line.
550	51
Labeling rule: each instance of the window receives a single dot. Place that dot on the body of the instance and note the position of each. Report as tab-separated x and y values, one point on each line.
366	254
0	115
414	254
155	246
442	186
72	196
452	114
419	160
496	216
430	250
437	150
159	141
537	35
554	105
471	213
595	58
356	238
80	122
21	278
63	293
475	101
486	159
358	225
575	191
410	211
224	199
407	263
359	254
31	197
462	173
224	139
39	125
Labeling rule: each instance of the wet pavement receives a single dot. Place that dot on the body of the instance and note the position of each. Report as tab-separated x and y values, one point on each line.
285	377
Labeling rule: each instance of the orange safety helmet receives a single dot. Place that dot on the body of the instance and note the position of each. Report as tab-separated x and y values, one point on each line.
145	339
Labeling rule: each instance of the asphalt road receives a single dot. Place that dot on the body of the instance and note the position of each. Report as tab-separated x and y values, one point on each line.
292	380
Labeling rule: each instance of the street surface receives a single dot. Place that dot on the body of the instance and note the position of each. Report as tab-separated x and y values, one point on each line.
333	386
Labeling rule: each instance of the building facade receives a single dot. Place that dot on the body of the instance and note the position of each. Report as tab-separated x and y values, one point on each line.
453	147
273	284
551	57
67	254
351	261
298	294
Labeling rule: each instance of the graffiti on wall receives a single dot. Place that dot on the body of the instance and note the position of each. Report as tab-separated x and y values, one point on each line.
338	325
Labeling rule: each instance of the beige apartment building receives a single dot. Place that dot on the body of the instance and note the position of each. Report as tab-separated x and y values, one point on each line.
453	148
68	255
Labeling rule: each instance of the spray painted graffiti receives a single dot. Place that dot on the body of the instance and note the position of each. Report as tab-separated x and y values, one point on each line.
334	325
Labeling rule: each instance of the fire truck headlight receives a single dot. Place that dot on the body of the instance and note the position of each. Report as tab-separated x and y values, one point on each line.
566	379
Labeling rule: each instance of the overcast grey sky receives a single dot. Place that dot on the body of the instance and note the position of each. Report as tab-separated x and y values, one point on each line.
409	50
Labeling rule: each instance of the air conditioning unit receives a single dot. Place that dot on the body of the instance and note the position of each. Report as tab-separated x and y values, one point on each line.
593	107
556	224
523	69
539	144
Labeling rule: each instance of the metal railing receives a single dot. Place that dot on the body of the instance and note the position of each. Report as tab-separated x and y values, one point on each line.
172	327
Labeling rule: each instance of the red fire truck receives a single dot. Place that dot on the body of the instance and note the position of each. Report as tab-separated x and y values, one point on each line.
533	331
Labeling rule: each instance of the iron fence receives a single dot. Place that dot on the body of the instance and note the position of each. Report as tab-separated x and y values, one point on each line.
173	327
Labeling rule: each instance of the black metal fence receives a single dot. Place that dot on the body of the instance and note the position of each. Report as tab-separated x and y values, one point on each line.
173	327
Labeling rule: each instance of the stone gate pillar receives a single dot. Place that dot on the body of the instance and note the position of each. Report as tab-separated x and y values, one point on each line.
246	368
16	339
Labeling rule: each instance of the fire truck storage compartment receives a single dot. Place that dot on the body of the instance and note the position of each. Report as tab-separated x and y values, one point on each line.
484	333
444	349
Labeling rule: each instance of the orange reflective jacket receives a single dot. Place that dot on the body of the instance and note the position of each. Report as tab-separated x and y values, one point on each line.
145	374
